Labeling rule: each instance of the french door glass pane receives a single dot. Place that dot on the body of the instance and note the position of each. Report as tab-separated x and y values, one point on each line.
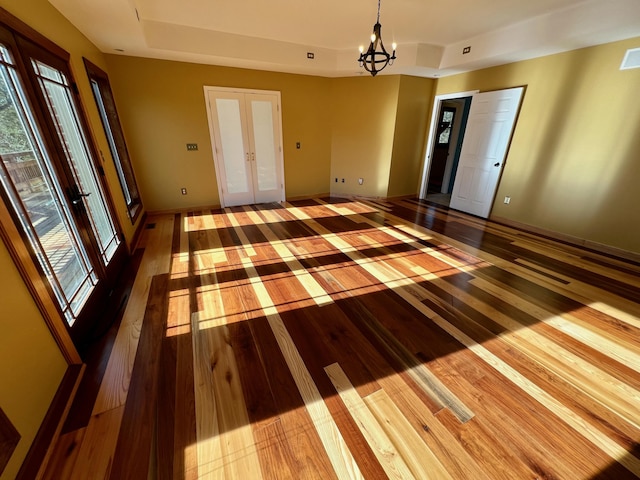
57	92
264	145
231	139
27	177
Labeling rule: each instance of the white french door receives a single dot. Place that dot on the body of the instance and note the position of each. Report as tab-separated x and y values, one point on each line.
491	120
246	138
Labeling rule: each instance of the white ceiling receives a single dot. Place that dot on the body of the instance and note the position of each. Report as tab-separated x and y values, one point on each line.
277	34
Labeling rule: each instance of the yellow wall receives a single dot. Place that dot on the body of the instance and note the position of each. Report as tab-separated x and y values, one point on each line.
414	102
346	128
31	364
574	162
162	107
363	122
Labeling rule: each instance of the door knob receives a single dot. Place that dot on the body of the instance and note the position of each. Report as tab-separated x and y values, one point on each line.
497	164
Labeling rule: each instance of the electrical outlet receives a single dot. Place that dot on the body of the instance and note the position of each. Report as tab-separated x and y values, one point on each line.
507	200
466	50
298	145
192	146
336	179
360	181
183	191
343	180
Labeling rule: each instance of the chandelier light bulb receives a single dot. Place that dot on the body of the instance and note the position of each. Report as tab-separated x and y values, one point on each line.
376	57
394	45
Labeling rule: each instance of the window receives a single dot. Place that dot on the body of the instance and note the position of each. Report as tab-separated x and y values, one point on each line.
446	123
111	123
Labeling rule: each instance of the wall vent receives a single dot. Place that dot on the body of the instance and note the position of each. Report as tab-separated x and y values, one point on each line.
631	59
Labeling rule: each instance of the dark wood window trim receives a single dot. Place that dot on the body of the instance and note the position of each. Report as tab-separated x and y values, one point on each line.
115	138
9	438
26	31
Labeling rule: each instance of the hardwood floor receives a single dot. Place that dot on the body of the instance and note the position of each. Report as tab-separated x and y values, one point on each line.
336	339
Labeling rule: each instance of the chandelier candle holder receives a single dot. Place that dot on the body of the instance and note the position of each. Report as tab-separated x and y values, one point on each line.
376	58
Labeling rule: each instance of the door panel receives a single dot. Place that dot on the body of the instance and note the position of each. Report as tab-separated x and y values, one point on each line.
233	149
488	132
246	138
55	88
263	132
28	179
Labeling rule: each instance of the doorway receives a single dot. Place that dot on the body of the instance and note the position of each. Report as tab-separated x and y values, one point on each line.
246	136
465	177
444	140
446	151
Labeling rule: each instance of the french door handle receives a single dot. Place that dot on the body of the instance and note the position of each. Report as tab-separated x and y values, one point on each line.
496	164
248	157
253	156
79	197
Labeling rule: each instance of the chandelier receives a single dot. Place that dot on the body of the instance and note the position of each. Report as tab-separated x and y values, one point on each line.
374	60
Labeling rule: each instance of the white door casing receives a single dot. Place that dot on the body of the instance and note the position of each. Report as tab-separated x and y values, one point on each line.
245	127
431	134
488	133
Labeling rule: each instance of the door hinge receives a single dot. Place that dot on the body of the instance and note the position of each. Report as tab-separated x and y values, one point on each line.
101	170
74	88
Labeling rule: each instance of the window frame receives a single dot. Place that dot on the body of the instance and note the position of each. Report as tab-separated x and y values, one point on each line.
115	139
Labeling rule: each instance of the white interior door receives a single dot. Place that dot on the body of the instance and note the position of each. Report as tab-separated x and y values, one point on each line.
247	144
491	120
265	147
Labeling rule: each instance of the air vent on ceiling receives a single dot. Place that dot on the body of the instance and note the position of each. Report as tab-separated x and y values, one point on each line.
631	59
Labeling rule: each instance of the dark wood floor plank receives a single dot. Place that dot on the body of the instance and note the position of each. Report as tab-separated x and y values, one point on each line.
139	418
316	357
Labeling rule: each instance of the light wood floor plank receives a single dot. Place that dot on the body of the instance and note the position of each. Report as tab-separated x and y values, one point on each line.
421	460
384	450
96	452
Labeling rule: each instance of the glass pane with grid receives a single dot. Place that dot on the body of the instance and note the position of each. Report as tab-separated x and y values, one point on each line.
28	180
58	95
